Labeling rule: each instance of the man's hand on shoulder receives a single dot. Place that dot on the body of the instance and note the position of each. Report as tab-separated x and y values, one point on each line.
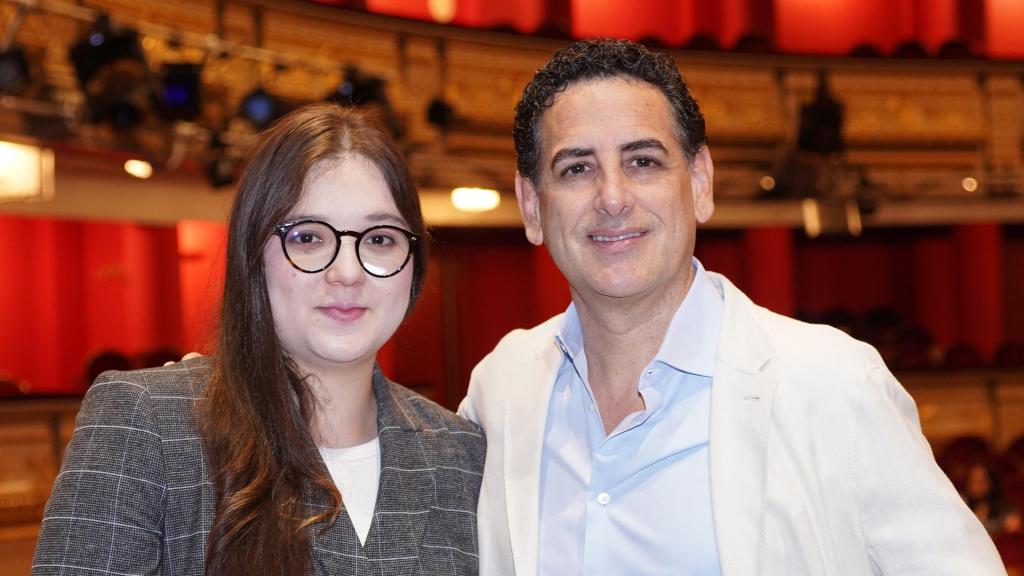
188	356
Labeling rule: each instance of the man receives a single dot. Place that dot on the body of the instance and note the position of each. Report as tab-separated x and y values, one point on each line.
665	424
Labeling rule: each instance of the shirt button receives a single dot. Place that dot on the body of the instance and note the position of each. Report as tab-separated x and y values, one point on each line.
592	407
603	498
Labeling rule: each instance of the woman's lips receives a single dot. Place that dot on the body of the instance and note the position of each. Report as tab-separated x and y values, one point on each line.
343	313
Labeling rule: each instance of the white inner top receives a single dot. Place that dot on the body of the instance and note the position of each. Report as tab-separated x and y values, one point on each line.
356	472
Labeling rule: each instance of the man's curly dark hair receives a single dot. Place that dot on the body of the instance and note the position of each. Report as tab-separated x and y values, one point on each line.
595	59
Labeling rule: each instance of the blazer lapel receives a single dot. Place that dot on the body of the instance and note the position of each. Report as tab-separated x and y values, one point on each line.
741	401
529	395
405	493
335	547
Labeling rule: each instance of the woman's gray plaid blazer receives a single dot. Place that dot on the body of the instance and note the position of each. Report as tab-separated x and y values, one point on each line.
134	494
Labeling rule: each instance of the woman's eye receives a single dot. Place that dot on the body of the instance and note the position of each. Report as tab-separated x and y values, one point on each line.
380	239
303	237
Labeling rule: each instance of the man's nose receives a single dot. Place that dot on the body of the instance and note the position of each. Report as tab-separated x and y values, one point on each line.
614	196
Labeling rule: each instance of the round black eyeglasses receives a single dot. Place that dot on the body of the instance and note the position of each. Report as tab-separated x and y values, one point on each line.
312	245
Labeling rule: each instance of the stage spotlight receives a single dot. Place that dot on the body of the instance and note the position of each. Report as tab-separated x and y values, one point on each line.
111	70
221	170
359	89
821	122
103	45
260	108
440	113
368	92
221	167
180	91
14	72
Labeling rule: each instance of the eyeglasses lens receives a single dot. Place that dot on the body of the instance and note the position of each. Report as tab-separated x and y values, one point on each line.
313	246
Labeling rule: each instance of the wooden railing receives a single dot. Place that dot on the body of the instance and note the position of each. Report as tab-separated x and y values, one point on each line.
33	434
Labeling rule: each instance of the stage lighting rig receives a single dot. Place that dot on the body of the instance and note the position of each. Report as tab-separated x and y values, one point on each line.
360	89
15	77
180	91
260	108
367	91
112	72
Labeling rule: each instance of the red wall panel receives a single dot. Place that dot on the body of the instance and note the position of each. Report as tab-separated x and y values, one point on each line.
1003	22
417	351
1013	282
201	251
670	21
935	286
857	275
722	252
524	15
835	26
417	9
980	279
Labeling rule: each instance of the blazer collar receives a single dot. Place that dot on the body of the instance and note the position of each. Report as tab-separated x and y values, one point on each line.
741	399
741	403
392	412
529	395
398	428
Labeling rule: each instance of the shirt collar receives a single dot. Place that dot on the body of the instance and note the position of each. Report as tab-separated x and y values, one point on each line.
691	341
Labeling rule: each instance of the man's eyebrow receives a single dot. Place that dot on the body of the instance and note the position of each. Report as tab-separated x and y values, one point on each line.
570	153
644	144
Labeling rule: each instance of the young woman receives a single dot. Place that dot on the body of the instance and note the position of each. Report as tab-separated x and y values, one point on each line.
288	452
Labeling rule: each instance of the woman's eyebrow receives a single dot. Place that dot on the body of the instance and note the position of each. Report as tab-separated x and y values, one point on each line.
385	218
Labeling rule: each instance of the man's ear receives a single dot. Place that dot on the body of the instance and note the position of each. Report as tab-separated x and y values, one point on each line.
702	177
529	207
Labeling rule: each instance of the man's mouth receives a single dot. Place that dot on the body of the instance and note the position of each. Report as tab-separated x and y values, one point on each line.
615	238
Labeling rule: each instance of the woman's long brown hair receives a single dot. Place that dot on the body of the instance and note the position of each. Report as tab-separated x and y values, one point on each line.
255	413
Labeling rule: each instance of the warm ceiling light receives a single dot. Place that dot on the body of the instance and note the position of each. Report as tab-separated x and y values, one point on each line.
139	168
812	218
767	183
26	172
969	184
475	199
442	11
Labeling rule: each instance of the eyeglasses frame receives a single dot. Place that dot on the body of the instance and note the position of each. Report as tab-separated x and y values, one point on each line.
281	231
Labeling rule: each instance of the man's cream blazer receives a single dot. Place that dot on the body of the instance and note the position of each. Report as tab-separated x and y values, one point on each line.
818	464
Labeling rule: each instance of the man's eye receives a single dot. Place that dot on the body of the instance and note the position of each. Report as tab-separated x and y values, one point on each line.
575	170
645	162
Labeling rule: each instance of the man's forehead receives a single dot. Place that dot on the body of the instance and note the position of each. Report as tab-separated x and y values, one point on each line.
612	110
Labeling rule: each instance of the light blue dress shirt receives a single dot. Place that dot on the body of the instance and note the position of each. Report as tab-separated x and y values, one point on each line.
636	501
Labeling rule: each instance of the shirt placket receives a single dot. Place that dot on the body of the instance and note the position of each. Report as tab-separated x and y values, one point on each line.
611	464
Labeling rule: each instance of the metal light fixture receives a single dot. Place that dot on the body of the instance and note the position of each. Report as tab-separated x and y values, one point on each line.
14	71
180	91
111	69
260	108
